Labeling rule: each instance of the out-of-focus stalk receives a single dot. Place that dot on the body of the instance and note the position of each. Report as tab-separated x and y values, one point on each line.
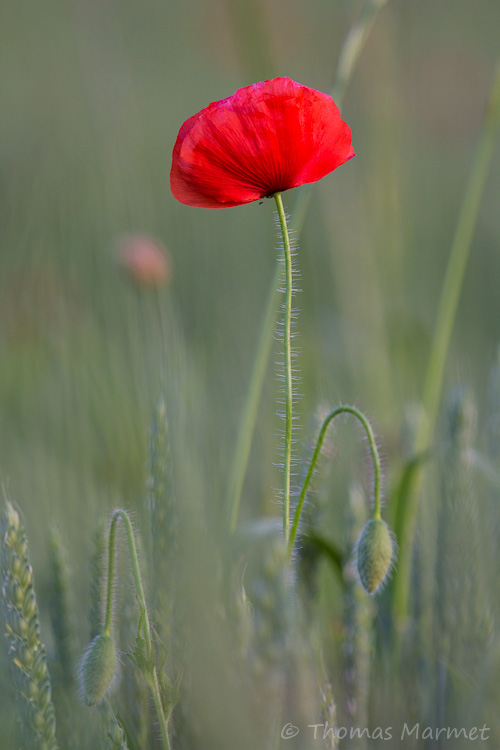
448	305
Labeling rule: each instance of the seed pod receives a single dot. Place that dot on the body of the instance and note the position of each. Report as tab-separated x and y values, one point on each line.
98	669
375	551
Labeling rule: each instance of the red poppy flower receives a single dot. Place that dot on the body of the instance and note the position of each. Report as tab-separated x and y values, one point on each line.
266	138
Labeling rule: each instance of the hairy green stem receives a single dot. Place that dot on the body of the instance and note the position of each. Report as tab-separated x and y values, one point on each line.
349	55
163	720
317	450
111	575
448	305
144	626
287	351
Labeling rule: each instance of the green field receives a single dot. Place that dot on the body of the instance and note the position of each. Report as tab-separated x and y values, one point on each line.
121	394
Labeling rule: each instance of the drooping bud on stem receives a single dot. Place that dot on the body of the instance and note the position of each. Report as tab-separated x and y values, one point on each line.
375	551
98	669
100	661
376	547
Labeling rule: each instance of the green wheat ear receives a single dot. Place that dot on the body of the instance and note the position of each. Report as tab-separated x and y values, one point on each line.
27	653
115	736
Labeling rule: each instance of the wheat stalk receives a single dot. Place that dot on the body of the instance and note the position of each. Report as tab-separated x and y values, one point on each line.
27	653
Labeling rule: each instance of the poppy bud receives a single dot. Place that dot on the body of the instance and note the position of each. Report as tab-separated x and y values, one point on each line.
144	260
98	669
375	551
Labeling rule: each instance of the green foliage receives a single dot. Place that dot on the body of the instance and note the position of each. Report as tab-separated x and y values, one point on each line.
94	96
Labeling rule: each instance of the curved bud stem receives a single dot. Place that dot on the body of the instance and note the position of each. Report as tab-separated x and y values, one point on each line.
121	514
319	443
149	670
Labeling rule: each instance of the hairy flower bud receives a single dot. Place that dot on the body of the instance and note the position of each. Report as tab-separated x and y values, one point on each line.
98	669
375	552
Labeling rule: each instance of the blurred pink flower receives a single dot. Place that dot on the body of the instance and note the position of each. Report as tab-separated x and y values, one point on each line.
144	260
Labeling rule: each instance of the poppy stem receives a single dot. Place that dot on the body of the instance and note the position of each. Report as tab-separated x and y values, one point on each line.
350	53
287	350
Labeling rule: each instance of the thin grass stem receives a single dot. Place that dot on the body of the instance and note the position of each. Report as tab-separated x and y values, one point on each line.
350	52
249	417
352	46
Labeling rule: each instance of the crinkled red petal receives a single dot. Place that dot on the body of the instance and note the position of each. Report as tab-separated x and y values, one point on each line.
268	137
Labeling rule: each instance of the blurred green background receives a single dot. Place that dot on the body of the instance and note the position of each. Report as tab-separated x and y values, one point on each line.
92	95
